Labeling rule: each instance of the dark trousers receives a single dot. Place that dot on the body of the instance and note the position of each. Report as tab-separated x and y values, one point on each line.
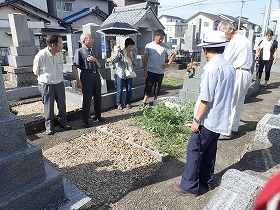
91	87
120	85
51	93
201	158
267	65
155	80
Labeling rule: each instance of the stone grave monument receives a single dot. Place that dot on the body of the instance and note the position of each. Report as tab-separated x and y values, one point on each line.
72	46
191	86
27	183
268	130
237	191
23	51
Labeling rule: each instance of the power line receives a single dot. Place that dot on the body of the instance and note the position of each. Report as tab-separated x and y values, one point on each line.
197	4
184	5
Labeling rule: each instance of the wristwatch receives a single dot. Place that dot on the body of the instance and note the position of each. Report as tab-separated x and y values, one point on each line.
196	120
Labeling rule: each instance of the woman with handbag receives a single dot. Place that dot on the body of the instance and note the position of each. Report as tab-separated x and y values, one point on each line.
124	62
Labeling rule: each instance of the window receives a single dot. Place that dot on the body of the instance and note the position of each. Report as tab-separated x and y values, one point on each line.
206	24
64	6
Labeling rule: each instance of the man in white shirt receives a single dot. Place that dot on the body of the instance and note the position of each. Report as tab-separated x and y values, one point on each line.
240	54
48	66
211	116
266	53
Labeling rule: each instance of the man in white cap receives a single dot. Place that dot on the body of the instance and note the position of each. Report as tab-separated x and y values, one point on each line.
211	114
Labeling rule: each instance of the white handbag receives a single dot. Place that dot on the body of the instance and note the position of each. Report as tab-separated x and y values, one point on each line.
130	74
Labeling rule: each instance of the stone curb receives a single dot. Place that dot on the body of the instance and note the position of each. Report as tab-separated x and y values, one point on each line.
160	157
39	125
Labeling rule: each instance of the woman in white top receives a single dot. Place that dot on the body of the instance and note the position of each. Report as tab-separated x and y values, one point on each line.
266	53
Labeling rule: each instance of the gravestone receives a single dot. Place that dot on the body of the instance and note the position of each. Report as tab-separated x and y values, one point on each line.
238	190
23	51
91	28
190	39
191	86
268	130
72	46
27	183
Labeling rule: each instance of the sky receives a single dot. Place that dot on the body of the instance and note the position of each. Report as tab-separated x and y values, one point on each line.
252	9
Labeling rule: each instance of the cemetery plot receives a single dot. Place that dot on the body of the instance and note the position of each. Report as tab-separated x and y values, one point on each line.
103	167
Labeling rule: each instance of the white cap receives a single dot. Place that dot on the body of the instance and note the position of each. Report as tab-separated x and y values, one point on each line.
214	39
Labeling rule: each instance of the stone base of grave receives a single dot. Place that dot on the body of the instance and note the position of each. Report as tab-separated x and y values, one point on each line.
27	183
277	108
254	88
108	99
237	191
268	130
22	76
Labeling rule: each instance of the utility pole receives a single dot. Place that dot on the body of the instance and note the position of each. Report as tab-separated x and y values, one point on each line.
267	17
239	21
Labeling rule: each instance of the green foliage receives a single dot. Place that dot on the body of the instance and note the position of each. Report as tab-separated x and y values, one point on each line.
169	125
171	82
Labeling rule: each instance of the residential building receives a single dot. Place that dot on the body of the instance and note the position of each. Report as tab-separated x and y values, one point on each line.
174	26
204	22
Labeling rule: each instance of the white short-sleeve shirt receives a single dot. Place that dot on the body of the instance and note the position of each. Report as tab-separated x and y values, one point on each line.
239	52
156	56
217	84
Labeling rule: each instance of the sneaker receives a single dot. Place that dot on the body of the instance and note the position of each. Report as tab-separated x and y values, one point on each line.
128	106
49	132
120	107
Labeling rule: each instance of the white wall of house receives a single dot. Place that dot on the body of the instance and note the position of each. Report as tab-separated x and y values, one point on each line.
206	24
173	27
78	5
88	19
41	4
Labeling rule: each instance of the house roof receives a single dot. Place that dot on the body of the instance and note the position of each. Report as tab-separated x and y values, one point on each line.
85	12
170	16
133	15
236	19
208	15
20	5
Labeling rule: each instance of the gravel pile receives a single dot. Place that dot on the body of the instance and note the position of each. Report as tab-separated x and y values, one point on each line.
102	167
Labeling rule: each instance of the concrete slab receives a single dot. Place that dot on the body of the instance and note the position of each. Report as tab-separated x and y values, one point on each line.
277	108
268	130
237	191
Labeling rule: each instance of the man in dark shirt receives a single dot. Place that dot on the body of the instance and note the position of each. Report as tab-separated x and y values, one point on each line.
89	80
